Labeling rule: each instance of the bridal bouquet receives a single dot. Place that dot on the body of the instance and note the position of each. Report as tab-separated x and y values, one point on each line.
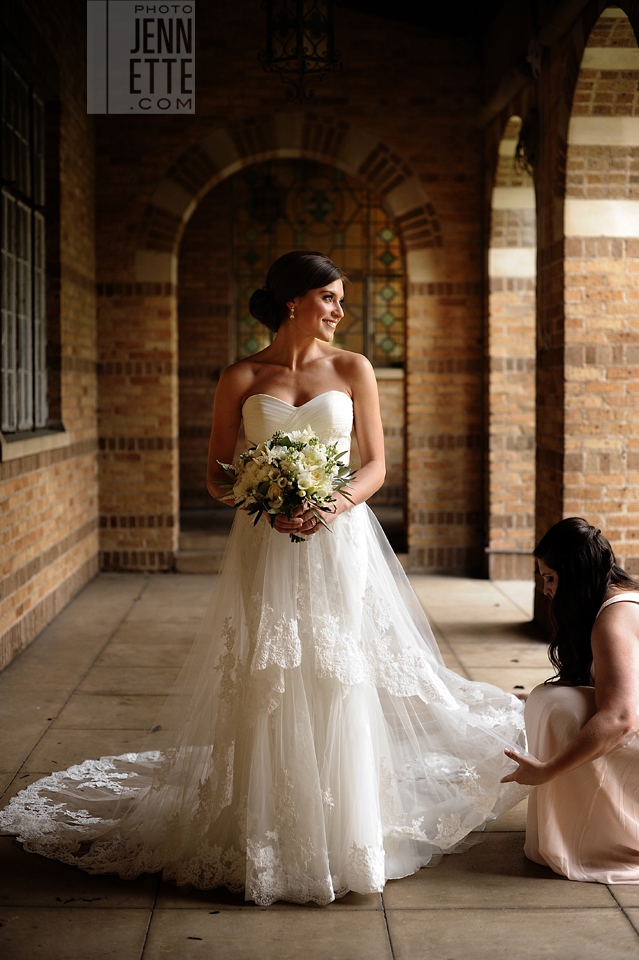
290	470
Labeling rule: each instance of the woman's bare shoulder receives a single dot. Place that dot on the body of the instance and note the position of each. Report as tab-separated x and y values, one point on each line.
239	375
617	618
352	366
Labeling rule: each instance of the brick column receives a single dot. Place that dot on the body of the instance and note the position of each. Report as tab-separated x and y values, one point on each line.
601	470
511	349
138	425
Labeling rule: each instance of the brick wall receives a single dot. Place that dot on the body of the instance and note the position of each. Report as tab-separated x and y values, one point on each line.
601	475
48	498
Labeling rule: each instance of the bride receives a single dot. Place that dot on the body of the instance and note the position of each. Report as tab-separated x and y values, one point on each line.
314	742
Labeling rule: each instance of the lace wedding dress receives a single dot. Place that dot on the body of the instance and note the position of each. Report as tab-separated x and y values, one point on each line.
314	742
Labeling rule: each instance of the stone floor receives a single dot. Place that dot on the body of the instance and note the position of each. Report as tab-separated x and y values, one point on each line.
91	684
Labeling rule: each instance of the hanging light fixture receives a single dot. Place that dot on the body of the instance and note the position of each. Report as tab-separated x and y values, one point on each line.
299	43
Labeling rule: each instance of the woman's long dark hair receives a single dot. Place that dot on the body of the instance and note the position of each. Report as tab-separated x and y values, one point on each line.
291	275
586	568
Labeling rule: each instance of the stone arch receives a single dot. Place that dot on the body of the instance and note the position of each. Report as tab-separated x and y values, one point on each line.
231	148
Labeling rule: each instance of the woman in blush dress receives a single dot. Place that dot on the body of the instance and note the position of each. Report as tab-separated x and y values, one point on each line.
583	727
315	743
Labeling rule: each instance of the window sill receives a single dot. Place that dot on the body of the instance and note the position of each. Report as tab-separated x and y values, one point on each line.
389	373
26	446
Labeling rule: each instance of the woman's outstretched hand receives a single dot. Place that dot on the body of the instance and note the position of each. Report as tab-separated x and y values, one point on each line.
530	771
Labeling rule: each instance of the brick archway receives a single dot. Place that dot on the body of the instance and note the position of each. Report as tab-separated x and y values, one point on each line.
138	519
335	142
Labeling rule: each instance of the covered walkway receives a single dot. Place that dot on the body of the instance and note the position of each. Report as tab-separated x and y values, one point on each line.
91	685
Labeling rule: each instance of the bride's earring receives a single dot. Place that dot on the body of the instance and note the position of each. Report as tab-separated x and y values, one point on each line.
292	313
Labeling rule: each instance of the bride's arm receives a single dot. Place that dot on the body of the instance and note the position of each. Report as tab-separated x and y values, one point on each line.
227	415
368	430
615	648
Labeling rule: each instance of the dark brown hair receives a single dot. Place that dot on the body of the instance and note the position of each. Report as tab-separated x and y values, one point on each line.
586	568
291	276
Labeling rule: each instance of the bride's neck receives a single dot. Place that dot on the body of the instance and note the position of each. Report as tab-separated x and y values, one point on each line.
292	349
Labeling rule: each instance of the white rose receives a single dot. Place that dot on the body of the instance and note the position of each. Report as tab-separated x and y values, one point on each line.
304	481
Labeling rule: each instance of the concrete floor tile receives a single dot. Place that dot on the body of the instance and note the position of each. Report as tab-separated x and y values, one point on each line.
5	781
17	743
174	897
482	653
170	599
145	654
62	747
24	707
103	602
460	629
503	934
492	873
88	711
32	933
627	894
520	592
512	679
33	672
28	880
131	681
510	821
154	631
254	933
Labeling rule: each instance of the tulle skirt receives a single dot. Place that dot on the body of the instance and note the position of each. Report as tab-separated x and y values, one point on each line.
584	824
314	742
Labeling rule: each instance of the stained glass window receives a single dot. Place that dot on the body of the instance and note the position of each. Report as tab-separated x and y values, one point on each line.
285	205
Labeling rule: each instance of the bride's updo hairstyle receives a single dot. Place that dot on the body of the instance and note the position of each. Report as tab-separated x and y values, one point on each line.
291	276
586	568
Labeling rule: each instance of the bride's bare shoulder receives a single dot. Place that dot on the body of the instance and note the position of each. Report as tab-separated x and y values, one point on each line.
239	374
354	367
236	382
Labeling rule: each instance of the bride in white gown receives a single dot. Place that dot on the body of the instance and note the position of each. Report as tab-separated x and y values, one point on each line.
314	742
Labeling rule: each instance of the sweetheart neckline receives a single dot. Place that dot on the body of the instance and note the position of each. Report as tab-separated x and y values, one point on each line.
292	405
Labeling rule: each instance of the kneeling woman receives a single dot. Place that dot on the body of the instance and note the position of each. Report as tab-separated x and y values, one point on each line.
583	727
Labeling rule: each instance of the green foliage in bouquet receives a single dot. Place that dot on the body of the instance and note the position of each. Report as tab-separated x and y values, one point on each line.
288	471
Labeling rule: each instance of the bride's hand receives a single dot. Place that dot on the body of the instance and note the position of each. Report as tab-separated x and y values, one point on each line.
304	523
291	524
310	523
531	772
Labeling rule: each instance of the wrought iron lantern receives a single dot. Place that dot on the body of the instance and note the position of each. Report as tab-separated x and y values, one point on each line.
299	43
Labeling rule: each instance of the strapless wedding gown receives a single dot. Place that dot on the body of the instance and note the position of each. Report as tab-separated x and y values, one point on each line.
314	743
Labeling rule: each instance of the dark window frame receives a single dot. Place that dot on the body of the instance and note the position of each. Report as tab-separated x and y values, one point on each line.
23	281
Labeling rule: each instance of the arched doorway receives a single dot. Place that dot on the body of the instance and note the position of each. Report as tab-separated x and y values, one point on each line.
512	271
238	229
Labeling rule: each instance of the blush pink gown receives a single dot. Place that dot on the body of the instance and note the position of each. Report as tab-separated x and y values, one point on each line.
584	824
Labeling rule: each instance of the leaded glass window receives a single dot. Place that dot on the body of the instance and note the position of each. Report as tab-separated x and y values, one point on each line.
23	384
286	205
